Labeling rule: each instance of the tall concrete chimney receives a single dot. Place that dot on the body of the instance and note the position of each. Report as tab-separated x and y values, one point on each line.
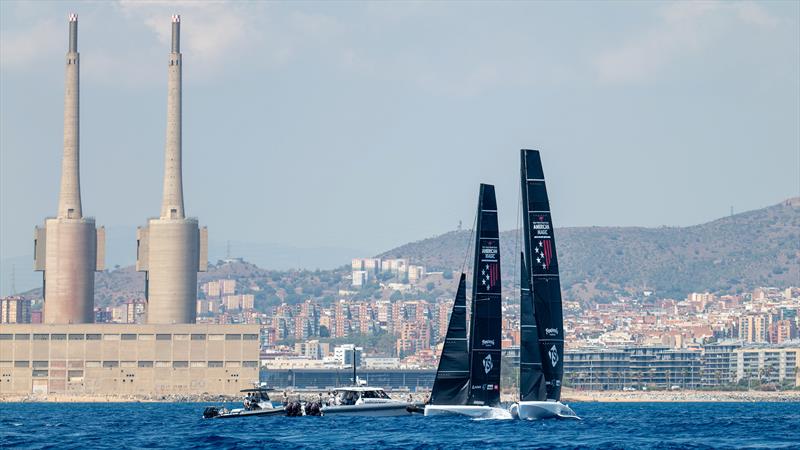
172	203
69	249
172	248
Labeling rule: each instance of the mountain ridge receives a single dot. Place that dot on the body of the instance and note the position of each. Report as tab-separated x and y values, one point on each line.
753	248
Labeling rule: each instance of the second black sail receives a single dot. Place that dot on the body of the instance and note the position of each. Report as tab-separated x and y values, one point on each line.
542	262
485	323
452	377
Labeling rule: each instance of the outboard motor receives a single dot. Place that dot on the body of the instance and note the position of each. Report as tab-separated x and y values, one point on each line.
210	412
293	409
313	409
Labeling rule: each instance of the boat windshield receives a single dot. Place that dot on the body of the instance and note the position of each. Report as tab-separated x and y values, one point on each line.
348	398
374	394
256	395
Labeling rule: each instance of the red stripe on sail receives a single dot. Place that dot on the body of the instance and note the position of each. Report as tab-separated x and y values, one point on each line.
547	253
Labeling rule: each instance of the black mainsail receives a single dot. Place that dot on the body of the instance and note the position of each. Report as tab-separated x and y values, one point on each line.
485	324
452	377
540	253
531	377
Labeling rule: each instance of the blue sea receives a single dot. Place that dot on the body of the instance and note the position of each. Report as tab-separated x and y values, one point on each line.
604	425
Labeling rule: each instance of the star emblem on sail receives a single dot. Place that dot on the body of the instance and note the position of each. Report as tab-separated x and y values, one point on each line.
544	253
553	353
489	275
487	364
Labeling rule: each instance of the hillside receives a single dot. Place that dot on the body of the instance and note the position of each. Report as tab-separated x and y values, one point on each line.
755	248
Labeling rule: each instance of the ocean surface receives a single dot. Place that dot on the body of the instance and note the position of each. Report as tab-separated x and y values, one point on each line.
604	425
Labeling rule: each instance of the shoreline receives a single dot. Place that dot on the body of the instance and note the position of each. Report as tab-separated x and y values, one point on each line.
568	396
679	396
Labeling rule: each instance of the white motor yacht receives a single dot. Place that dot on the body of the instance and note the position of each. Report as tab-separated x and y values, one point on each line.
366	401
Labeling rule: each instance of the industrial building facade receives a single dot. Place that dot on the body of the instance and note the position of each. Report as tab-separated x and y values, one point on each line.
120	360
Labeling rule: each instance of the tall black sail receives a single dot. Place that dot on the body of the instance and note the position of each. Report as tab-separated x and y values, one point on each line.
540	252
531	377
451	386
485	325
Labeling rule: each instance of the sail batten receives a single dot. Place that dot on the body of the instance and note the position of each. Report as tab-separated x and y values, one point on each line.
486	319
542	276
451	384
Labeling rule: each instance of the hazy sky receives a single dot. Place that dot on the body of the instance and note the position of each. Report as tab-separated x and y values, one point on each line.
367	125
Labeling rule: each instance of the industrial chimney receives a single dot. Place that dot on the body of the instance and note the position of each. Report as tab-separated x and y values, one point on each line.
172	248
69	249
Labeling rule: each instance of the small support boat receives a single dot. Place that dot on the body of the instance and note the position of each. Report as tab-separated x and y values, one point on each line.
367	401
256	403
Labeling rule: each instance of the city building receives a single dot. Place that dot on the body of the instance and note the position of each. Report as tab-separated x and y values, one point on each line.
719	363
343	354
360	277
769	364
615	369
782	331
15	310
753	328
312	349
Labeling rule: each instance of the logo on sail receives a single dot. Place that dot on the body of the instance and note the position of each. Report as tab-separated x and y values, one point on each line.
544	253
553	353
490	274
551	331
487	364
487	342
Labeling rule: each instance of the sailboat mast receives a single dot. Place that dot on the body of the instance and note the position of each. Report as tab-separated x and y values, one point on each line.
486	321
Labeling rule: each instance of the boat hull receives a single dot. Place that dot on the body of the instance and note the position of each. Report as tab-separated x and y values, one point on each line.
246	413
536	410
373	410
474	411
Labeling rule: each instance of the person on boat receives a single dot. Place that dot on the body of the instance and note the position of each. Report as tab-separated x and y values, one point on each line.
331	399
285	399
248	404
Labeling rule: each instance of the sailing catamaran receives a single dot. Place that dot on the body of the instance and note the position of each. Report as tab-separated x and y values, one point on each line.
468	378
541	321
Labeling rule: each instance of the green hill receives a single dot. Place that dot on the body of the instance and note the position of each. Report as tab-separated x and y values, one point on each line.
755	248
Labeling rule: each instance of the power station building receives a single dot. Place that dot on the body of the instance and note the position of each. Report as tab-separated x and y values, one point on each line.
68	248
138	360
170	355
171	249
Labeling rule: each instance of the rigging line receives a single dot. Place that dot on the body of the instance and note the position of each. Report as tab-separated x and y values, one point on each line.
469	244
518	283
